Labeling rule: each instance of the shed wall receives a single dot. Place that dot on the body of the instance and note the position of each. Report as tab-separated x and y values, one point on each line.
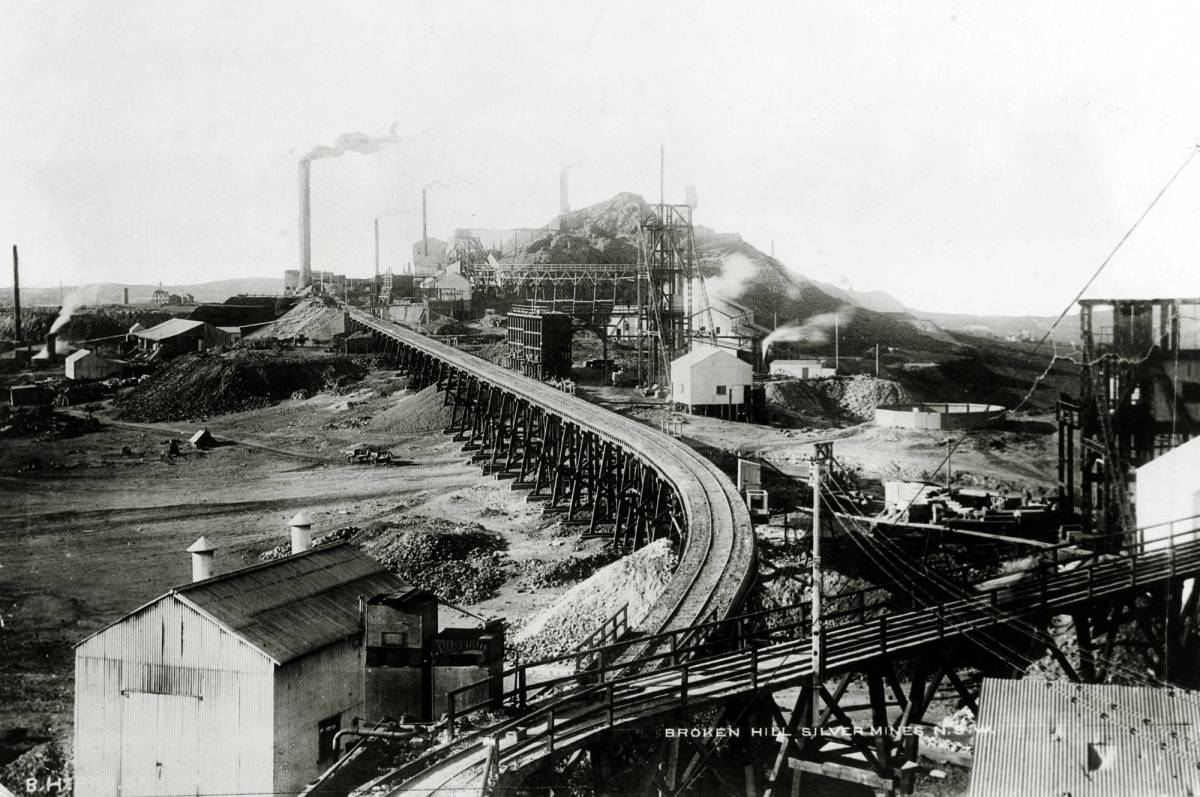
696	385
307	691
1168	495
162	668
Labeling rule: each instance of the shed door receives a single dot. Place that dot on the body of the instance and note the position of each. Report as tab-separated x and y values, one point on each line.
159	746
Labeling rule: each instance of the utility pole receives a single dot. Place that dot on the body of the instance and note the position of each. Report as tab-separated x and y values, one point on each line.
876	359
16	296
375	293
835	340
662	174
818	681
949	453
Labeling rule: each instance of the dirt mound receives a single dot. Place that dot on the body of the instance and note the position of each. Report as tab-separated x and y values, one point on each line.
636	581
853	398
202	385
410	413
313	319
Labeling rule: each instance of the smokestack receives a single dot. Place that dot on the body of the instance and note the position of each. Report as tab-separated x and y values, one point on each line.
51	342
564	207
301	527
424	231
305	227
126	296
202	559
16	296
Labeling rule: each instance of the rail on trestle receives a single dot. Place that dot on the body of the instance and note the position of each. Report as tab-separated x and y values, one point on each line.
730	670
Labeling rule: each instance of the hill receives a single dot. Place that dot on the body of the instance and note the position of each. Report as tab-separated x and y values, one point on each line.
114	292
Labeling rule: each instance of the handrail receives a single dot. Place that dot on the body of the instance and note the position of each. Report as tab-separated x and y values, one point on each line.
520	694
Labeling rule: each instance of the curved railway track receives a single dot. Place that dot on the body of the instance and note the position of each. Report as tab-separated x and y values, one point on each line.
717	562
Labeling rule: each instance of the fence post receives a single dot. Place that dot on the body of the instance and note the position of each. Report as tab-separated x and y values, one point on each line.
883	646
550	732
754	667
674	654
611	689
683	688
521	693
450	716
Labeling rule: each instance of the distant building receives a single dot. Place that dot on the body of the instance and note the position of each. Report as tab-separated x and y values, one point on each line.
189	299
1168	496
429	257
179	336
1098	740
449	286
86	364
709	379
731	323
160	296
801	369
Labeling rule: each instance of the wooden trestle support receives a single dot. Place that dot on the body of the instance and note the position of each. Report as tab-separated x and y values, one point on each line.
601	486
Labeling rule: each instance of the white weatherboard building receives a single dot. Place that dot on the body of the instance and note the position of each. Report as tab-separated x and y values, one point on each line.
234	684
1168	496
708	377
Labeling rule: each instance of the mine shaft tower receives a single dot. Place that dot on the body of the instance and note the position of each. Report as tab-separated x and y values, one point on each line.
667	274
1139	398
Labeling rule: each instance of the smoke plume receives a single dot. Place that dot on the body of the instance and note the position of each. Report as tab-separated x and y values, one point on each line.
353	142
730	282
89	294
817	329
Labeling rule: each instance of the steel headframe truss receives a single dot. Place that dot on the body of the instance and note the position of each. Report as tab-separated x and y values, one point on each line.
667	269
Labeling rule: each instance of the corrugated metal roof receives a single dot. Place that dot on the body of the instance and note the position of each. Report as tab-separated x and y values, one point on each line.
1050	737
293	606
169	329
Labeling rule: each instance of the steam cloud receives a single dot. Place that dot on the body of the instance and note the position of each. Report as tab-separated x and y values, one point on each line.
72	302
353	142
730	282
814	330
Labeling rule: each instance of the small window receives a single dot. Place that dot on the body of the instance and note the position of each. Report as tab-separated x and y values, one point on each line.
395	639
721	390
326	731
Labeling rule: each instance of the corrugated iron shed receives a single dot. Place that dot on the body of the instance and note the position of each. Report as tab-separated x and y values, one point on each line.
293	606
169	329
1086	740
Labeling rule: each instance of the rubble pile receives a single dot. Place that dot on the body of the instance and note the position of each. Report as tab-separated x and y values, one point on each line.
48	762
636	581
43	423
411	413
200	385
460	563
538	574
853	398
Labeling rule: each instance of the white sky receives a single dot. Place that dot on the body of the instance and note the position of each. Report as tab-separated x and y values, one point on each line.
974	157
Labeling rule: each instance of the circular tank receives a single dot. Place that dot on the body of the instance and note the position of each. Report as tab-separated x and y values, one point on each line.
935	415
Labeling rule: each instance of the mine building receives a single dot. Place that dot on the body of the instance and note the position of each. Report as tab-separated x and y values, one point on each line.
179	336
801	369
1168	497
239	683
428	256
1139	398
729	324
539	342
87	364
711	381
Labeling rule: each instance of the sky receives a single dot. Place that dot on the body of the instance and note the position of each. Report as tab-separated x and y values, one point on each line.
964	157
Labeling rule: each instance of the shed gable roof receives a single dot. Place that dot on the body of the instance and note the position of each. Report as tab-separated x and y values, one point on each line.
295	605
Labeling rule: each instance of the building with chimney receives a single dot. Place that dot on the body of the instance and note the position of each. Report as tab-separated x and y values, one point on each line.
235	683
429	257
239	682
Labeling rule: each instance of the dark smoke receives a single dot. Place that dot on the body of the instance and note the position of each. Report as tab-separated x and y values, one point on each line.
353	142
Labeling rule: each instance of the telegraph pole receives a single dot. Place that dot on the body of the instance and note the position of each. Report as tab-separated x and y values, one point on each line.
836	335
818	681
